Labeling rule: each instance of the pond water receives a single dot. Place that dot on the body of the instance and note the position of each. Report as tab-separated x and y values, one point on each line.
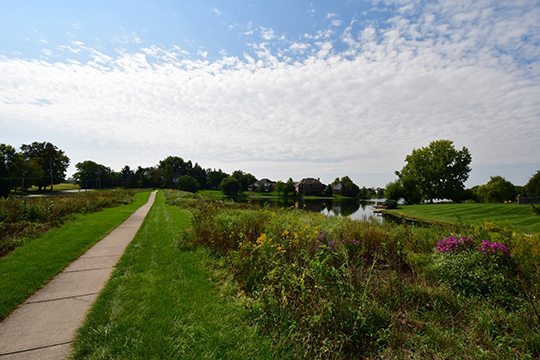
356	209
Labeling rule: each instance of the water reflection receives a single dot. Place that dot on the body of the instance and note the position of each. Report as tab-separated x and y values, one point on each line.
353	208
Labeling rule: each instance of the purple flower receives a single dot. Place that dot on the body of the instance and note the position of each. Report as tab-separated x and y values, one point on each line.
488	247
454	244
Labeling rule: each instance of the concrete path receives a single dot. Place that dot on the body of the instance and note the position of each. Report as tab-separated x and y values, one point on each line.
44	326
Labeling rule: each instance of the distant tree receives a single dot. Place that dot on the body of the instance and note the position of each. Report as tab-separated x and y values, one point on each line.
200	175
350	189
439	171
8	167
188	183
230	186
532	188
51	160
214	178
245	179
280	187
289	187
329	191
170	166
91	175
394	190
149	177
498	189
129	178
405	188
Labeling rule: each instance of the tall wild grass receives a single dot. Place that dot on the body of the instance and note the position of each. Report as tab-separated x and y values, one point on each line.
341	289
23	219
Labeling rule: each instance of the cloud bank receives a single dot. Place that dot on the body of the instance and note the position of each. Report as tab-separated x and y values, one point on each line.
354	102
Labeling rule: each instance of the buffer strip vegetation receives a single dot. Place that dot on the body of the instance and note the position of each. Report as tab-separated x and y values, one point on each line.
22	219
337	288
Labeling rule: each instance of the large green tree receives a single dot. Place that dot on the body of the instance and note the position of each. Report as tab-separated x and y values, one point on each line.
532	188
498	189
50	158
438	170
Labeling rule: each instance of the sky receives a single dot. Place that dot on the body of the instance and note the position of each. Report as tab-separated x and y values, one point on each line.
279	89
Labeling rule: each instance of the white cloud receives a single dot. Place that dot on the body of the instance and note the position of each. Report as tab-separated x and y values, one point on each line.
267	34
216	11
395	88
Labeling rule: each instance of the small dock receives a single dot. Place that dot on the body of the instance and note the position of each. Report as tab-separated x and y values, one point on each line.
378	208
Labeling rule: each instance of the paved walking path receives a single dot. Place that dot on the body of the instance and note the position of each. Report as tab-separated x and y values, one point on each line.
44	326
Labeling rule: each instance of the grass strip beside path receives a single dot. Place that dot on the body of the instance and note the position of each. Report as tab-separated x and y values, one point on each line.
520	217
160	304
28	268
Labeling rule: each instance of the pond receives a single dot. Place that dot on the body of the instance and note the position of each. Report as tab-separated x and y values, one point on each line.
356	209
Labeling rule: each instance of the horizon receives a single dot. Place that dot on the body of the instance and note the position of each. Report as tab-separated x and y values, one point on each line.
275	89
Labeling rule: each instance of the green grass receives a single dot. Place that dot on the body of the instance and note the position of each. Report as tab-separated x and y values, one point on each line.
520	217
31	266
161	304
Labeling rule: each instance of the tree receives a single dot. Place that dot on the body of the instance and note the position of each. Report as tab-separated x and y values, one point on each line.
188	183
91	175
394	190
128	178
215	177
532	188
244	178
280	186
170	166
498	189
438	170
8	161
289	187
230	186
52	160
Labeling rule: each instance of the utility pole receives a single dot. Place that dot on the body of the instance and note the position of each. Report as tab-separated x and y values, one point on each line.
22	182
52	191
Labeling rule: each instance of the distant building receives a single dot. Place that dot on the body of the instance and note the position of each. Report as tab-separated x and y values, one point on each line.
175	178
309	186
337	189
268	185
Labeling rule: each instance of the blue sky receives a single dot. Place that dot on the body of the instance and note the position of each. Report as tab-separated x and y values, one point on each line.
276	88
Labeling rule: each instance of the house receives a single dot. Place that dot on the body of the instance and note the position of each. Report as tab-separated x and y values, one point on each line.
175	179
309	186
337	189
268	185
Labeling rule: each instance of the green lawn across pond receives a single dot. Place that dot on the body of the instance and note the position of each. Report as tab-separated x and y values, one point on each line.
520	217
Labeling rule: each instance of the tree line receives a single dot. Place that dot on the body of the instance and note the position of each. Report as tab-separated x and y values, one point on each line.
43	164
438	171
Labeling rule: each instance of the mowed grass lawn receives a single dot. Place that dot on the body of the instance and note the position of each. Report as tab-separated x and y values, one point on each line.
520	217
161	304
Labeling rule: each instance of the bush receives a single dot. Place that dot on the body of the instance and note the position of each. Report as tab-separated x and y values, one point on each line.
484	270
